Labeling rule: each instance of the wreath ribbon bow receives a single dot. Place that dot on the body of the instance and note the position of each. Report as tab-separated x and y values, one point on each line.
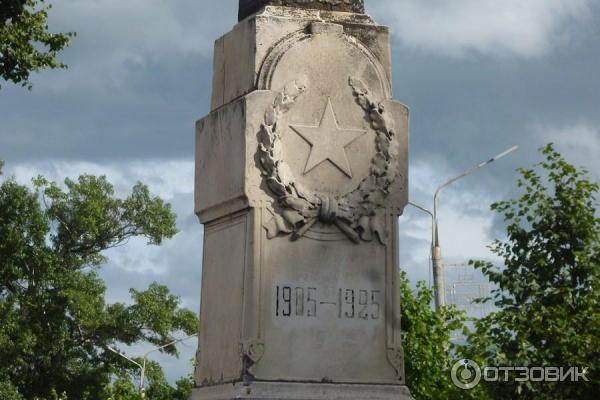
299	217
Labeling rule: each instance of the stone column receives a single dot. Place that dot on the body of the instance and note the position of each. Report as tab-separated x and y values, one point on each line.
301	174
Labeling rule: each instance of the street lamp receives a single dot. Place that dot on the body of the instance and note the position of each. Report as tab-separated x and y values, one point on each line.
142	366
436	250
425	210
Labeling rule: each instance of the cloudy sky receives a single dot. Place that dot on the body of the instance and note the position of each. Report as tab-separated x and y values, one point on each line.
478	75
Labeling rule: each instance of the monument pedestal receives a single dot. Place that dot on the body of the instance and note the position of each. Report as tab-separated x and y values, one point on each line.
301	174
302	391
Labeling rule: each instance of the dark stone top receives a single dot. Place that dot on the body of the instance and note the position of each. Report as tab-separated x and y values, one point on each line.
249	7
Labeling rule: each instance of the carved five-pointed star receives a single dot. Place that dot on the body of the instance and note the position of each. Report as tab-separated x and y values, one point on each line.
328	141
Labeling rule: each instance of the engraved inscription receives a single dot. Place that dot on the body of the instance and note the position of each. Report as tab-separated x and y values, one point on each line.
292	301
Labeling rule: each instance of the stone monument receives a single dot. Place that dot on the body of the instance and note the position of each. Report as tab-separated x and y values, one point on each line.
301	174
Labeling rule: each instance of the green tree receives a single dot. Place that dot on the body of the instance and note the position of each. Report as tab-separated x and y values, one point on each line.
122	389
158	389
548	291
429	349
26	45
56	325
8	391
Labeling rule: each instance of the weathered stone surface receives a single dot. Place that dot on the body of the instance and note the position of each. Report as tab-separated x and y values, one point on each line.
301	173
322	264
248	7
241	53
302	391
224	264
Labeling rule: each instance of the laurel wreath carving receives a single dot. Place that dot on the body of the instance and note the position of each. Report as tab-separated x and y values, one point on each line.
358	214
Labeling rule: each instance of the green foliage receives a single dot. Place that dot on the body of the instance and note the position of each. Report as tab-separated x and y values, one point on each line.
55	396
26	45
161	390
123	388
429	350
56	325
9	392
160	313
548	292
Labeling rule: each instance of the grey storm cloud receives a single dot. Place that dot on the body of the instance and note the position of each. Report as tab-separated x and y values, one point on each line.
140	75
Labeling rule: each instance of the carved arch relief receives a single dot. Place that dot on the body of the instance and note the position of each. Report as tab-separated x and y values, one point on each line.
276	54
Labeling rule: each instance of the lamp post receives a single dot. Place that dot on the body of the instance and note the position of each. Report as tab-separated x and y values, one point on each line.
436	250
425	210
142	366
158	349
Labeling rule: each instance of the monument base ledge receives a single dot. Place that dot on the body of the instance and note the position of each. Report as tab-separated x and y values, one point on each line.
301	391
